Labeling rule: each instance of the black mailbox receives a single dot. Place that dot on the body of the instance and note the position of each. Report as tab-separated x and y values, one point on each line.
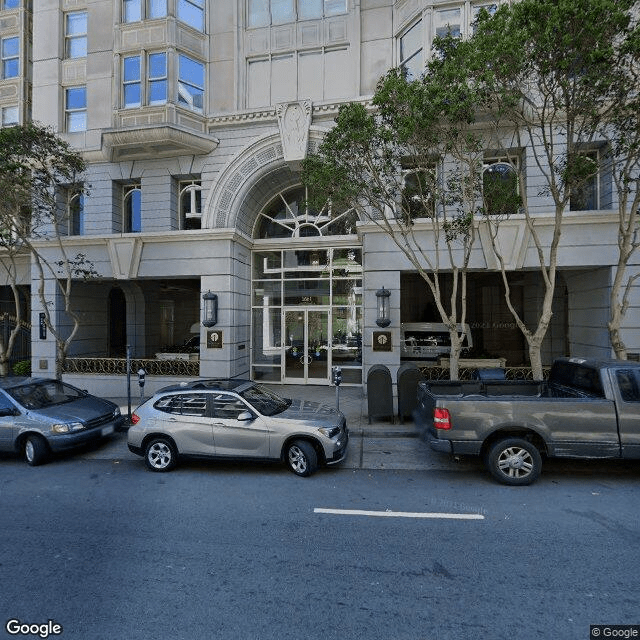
379	392
408	377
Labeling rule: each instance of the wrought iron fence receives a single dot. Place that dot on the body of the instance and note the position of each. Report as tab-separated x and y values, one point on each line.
118	366
22	346
466	373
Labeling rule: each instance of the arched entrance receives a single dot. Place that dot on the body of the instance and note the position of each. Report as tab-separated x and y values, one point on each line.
306	292
117	323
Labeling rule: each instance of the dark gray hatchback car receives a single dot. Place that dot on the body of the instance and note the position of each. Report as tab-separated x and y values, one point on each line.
39	416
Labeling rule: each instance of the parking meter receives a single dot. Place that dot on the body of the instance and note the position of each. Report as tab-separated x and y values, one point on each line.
336	374
141	376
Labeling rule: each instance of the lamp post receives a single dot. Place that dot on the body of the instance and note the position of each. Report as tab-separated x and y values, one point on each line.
383	319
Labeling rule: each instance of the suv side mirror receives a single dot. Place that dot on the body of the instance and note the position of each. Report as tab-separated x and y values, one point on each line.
245	416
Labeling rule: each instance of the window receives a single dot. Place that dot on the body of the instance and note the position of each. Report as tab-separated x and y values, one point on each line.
191	12
75	34
155	70
411	51
418	192
628	383
262	13
132	209
131	87
190	83
186	404
190	204
157	78
448	21
10	116
589	176
10	57
136	10
75	109
500	188
10	4
288	215
227	407
75	213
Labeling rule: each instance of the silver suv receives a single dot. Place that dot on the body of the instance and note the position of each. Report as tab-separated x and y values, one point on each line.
236	419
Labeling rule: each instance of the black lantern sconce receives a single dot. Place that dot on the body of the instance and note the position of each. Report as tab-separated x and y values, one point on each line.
210	313
383	319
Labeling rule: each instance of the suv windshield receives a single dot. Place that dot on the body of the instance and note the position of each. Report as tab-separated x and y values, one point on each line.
264	400
39	395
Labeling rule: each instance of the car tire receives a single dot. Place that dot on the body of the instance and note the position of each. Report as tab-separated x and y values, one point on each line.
36	450
160	454
302	458
514	461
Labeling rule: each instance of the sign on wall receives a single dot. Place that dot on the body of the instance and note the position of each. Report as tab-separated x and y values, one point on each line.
382	341
214	339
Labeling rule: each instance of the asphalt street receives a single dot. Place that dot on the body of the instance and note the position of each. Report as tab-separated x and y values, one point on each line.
105	549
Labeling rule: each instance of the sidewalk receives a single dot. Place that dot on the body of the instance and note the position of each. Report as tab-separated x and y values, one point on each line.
379	445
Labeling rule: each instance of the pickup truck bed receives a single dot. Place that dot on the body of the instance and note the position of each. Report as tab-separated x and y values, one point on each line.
587	409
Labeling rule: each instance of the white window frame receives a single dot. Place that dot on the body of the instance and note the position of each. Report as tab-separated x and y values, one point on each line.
260	14
185	97
143	10
71	112
512	163
594	184
9	120
127	194
407	59
73	38
75	199
144	81
185	9
7	59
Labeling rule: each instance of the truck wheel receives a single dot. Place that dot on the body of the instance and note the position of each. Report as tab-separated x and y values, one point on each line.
514	461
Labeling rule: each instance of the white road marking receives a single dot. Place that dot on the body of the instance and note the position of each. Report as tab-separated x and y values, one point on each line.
401	514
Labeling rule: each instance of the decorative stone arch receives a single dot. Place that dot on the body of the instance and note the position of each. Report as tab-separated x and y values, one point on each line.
249	181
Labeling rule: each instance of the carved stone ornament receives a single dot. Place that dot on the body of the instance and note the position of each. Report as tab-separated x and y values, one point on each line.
294	120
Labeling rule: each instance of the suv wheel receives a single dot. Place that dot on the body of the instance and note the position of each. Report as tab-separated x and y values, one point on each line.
160	454
302	458
514	461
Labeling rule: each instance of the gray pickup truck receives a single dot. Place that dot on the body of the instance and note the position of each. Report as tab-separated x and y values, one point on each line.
586	409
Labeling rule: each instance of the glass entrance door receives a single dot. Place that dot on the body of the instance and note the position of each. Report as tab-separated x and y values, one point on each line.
306	345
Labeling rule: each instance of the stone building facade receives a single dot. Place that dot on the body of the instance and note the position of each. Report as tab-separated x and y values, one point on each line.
193	116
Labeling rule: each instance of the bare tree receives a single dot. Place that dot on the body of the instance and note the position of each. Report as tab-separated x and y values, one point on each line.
35	167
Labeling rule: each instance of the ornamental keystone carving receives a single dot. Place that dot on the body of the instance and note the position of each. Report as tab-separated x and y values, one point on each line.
294	120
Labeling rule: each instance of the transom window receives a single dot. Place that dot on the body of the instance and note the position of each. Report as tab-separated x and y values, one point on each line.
263	13
288	215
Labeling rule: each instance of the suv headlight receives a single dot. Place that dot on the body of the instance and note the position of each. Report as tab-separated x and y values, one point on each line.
67	427
329	432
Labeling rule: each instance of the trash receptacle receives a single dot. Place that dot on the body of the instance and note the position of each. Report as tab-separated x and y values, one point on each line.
379	392
408	377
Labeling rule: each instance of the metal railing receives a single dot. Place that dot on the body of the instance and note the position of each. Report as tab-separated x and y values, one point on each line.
466	373
118	366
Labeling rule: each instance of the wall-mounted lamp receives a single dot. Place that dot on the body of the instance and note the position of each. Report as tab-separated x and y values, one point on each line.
383	319
210	312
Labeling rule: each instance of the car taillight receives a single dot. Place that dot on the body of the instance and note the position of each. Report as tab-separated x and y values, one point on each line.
441	418
134	418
